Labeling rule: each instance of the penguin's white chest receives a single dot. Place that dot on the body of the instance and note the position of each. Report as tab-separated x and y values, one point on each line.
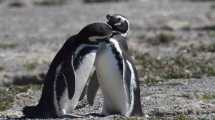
110	79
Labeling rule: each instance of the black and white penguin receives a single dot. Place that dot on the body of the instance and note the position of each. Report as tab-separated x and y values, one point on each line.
120	27
118	80
68	73
116	74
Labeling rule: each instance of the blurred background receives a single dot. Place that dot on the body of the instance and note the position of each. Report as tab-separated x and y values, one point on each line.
172	42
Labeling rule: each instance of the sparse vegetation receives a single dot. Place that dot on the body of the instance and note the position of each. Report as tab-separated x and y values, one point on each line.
180	66
182	117
49	2
206	28
1	68
6	99
161	38
211	33
8	45
93	1
30	66
16	4
166	37
212	6
206	47
207	96
35	87
8	94
200	48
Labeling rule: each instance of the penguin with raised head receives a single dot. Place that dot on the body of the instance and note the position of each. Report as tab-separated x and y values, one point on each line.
119	24
117	76
69	72
120	27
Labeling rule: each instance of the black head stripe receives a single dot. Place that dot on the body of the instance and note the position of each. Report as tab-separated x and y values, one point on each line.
118	57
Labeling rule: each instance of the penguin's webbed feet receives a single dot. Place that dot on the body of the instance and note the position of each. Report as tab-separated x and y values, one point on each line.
36	112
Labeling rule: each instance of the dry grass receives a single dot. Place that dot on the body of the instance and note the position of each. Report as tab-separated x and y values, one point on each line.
8	94
160	38
8	45
99	1
1	68
30	66
49	2
193	64
182	117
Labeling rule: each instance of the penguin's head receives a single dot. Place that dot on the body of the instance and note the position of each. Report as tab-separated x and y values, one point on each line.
95	32
118	23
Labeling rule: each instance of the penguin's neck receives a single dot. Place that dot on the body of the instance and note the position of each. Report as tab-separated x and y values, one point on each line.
119	33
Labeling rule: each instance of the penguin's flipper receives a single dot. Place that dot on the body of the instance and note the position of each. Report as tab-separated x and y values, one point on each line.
83	65
92	89
132	80
69	73
127	80
48	88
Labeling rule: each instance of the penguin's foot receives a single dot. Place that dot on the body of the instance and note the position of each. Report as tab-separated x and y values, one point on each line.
36	112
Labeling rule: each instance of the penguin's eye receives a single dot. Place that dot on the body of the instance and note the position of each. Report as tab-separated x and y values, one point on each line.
118	19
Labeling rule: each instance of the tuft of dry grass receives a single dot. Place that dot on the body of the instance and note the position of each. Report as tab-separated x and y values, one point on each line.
100	1
211	34
49	2
207	96
161	38
182	117
30	66
8	45
1	68
16	4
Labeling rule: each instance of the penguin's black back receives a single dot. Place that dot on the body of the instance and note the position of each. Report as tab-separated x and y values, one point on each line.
95	29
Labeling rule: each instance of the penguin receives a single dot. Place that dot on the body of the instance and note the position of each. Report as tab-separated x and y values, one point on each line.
69	72
116	73
118	80
120	27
